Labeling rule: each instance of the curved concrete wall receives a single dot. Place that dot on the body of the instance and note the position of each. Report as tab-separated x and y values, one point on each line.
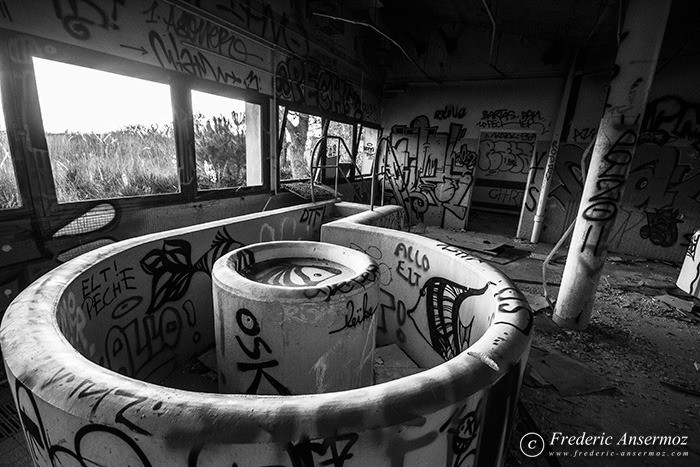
142	306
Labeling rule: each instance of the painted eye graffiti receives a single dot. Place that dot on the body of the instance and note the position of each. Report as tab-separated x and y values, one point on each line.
291	274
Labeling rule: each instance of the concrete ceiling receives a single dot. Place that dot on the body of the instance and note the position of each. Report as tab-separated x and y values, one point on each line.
591	24
579	23
573	22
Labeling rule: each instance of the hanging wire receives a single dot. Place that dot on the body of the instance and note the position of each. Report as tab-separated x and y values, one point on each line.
375	29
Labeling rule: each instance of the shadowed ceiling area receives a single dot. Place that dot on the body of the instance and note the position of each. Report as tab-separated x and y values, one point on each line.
431	33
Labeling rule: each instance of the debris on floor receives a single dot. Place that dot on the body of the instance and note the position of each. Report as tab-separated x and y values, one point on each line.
569	376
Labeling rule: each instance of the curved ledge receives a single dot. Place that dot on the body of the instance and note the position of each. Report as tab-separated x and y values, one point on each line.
51	345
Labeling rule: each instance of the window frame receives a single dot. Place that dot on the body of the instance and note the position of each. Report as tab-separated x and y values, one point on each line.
40	189
247	96
96	61
16	135
285	106
363	125
280	136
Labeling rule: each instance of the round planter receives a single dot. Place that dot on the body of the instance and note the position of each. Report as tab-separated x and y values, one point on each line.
294	318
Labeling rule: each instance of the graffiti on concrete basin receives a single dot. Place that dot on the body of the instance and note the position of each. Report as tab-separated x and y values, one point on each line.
90	441
317	452
105	286
293	272
370	274
463	431
145	344
512	301
251	344
385	276
356	316
412	265
442	299
172	268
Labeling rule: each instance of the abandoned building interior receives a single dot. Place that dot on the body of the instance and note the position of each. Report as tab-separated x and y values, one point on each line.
502	197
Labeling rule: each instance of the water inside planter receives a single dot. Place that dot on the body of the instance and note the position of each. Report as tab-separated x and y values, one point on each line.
298	272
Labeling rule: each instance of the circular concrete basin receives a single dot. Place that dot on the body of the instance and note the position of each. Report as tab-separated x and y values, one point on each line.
87	347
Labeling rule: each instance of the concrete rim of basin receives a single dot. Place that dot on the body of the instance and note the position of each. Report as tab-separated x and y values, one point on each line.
364	269
36	351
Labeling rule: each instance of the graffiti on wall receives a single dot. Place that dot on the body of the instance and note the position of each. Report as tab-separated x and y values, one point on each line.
584	134
661	191
450	111
179	41
259	19
505	152
77	17
244	43
505	118
502	170
431	173
309	82
671	120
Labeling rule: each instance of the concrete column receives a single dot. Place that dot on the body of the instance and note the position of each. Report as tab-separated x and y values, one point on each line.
551	156
253	144
638	51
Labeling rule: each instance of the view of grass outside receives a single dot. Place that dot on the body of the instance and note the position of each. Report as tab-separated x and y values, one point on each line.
108	135
9	192
133	161
220	141
111	136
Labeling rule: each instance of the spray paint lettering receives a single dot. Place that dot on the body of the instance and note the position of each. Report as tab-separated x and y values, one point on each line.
430	172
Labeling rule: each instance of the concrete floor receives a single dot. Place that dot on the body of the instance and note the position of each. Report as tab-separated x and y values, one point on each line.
636	355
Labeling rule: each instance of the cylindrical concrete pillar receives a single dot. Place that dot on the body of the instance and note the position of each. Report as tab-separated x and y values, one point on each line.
638	51
295	318
551	157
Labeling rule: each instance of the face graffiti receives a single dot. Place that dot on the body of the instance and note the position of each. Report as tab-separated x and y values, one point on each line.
448	333
292	273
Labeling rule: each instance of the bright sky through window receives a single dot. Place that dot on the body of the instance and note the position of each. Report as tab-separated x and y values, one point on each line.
76	98
214	105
